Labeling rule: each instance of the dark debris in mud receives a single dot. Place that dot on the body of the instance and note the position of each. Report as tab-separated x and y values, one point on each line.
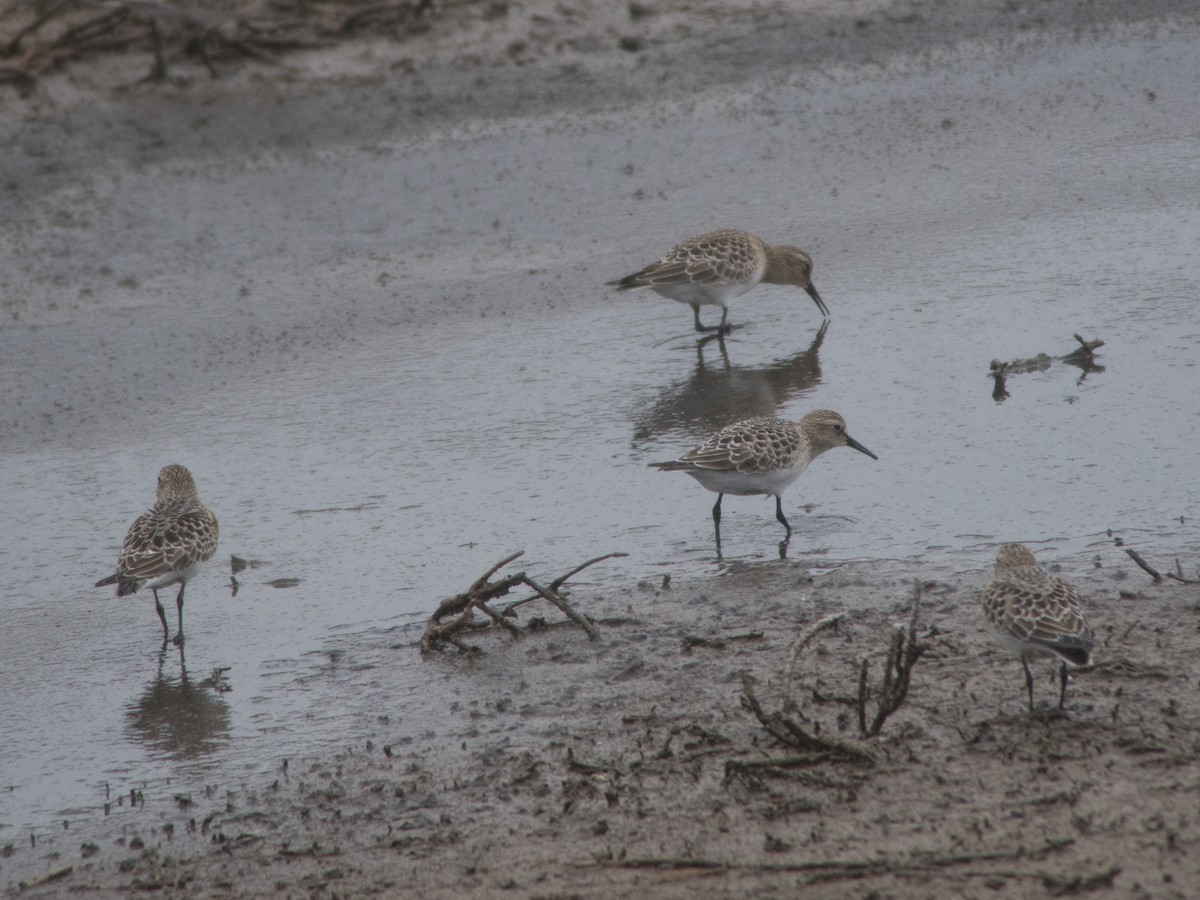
634	768
1083	356
461	609
1154	573
40	36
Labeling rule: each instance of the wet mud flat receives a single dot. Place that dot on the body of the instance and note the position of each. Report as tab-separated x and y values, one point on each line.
558	766
561	766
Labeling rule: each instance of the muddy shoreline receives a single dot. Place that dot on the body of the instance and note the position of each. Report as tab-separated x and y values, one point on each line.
552	766
565	767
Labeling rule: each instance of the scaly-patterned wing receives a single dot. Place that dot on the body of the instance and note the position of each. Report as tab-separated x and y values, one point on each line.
172	536
752	446
714	258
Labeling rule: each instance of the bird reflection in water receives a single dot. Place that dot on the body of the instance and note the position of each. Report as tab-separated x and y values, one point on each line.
719	392
177	717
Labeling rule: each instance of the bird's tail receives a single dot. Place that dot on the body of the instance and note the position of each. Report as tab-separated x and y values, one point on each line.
125	585
628	283
1076	656
671	465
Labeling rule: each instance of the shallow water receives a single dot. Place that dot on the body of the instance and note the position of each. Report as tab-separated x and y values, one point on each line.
390	366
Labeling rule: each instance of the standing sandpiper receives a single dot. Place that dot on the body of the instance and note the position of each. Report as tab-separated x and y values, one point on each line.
1035	614
167	543
711	269
762	456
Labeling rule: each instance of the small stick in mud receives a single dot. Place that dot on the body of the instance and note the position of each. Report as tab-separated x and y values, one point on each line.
788	731
1145	566
1177	575
800	643
902	657
1083	356
1158	577
52	875
904	650
463	606
1084	353
52	33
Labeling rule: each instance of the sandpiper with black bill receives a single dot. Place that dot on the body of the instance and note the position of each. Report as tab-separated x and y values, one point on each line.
762	456
712	269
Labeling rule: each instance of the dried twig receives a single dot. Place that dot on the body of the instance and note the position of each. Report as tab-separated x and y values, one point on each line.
564	607
903	653
1177	575
1145	566
1082	356
800	643
691	641
790	732
826	870
902	657
462	607
1157	576
1084	352
558	582
49	12
54	32
800	768
52	875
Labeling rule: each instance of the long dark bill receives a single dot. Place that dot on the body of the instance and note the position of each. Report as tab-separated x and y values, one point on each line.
812	292
851	442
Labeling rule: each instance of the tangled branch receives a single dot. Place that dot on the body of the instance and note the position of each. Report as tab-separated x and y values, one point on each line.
1154	574
1083	356
40	35
788	731
805	735
903	653
462	607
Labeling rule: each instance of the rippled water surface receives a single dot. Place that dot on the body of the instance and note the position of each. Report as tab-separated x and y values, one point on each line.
390	367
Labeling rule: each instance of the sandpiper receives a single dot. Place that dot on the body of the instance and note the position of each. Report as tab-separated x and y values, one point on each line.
713	268
167	543
762	456
1035	614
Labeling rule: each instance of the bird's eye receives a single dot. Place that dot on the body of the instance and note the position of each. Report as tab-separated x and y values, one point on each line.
837	427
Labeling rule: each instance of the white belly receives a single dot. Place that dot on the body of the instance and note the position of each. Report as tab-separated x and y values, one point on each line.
747	484
172	577
704	294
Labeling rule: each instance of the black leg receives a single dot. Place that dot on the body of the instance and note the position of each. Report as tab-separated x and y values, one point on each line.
717	522
179	609
1028	680
781	517
1062	694
719	329
162	614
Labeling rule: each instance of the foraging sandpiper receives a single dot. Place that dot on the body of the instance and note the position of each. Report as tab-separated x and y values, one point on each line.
712	269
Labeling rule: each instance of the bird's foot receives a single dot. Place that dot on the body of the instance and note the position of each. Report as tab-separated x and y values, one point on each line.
718	330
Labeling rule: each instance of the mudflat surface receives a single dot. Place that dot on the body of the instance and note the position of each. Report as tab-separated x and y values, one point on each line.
564	767
361	295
